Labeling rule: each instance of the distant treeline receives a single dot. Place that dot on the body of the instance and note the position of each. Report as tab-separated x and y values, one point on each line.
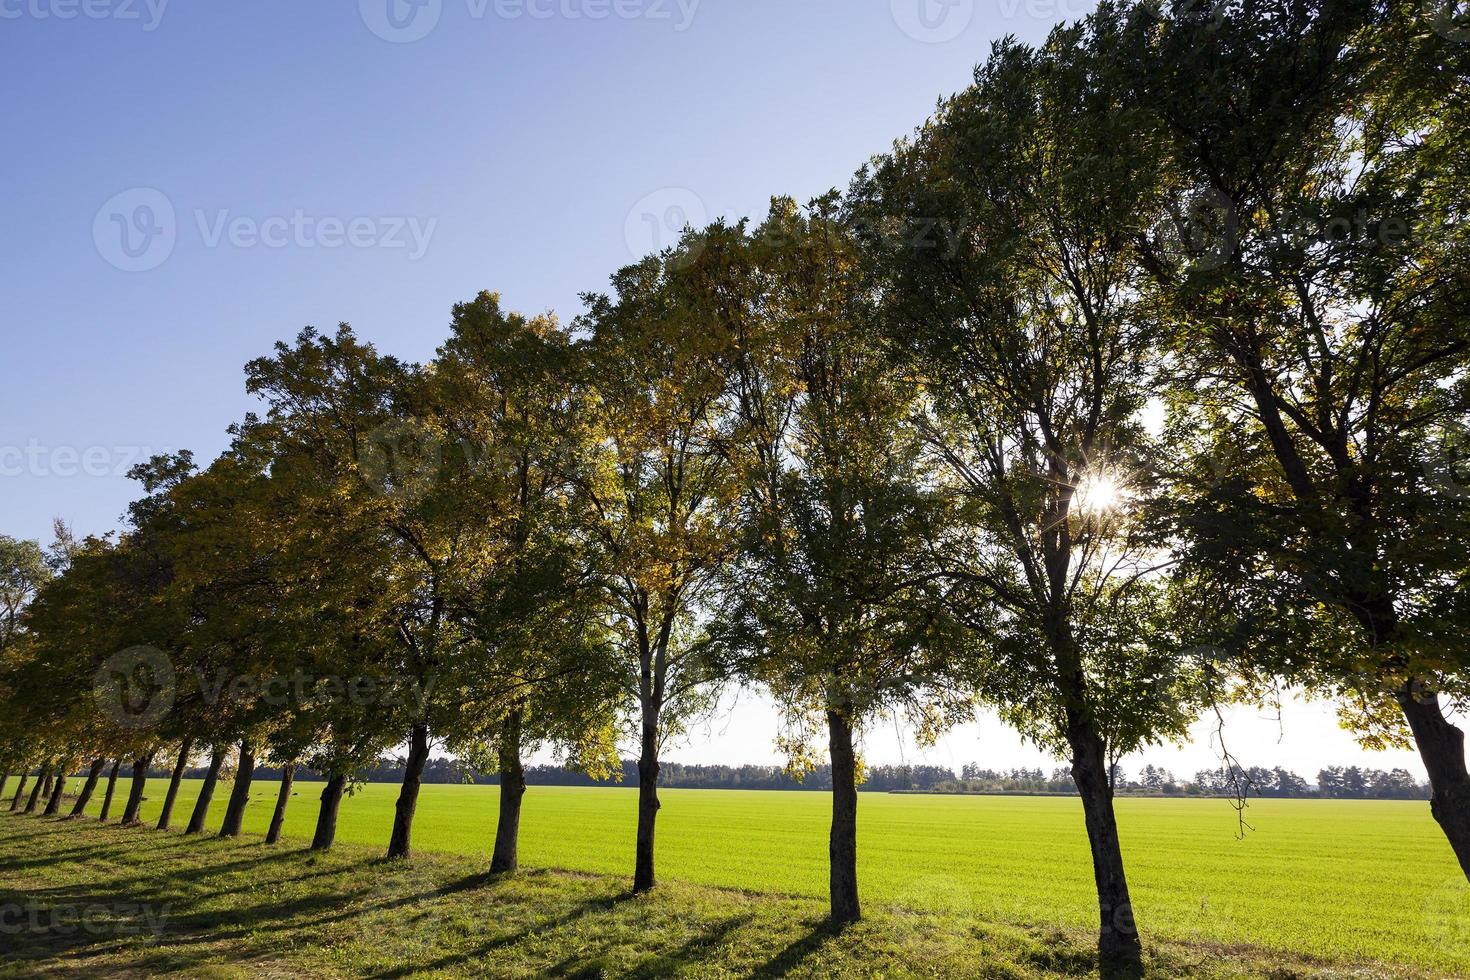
1334	782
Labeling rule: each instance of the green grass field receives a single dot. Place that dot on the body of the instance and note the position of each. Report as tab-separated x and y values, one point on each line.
168	905
1333	881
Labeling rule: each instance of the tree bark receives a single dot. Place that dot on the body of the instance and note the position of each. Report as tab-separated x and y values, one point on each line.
1118	945
173	784
648	805
1442	747
240	794
20	791
206	793
111	788
842	842
53	804
4	778
512	788
401	844
288	776
42	779
135	792
326	818
46	786
89	787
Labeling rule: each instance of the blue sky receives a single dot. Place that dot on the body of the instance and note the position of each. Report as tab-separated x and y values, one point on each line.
186	183
527	146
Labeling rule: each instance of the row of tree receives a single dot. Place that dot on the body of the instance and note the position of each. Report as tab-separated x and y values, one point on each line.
1133	382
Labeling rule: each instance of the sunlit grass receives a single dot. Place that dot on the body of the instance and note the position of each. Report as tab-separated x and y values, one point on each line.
1332	879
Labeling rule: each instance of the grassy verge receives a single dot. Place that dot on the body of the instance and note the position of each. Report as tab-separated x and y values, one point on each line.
79	899
1340	881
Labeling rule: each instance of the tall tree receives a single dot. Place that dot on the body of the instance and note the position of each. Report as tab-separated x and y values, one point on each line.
662	490
1317	314
1005	231
837	596
504	392
338	406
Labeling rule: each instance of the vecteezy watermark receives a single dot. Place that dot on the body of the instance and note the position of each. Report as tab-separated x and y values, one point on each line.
36	459
937	21
401	458
302	230
137	230
1118	919
406	21
1200	232
301	688
148	12
1448	470
1450	19
90	919
136	687
658	221
1446	914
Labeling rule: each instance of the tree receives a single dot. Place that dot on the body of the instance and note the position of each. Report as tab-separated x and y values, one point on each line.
1005	231
336	409
23	570
538	666
836	596
661	490
1318	321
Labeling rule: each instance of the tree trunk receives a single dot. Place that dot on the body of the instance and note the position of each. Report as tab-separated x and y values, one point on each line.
42	779
206	793
1118	945
401	844
1442	747
89	787
288	776
135	792
46	786
240	794
173	784
512	788
643	877
111	788
20	791
53	805
842	843
326	818
4	778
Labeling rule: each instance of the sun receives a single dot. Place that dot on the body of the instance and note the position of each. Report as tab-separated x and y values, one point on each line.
1099	493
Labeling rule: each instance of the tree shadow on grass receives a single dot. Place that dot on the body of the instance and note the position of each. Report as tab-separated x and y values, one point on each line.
591	906
788	959
691	952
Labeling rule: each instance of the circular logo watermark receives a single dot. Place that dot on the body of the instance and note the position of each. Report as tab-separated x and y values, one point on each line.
1448	472
932	21
401	458
135	687
1200	233
1446	914
1450	19
401	21
136	230
658	221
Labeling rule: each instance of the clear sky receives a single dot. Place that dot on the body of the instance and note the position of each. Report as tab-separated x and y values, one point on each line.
184	184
